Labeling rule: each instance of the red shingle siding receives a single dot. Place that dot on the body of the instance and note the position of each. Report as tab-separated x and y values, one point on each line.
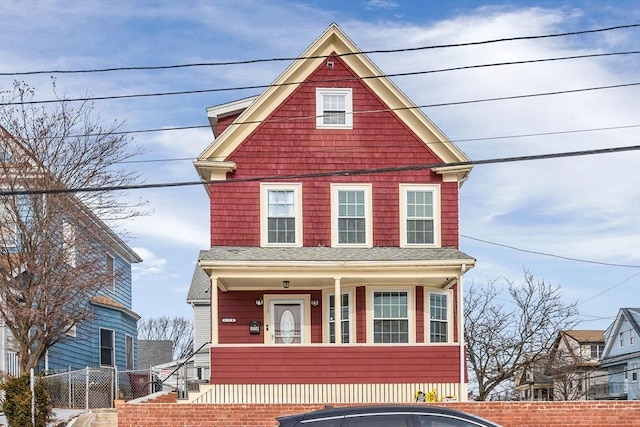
419	314
361	314
279	146
508	414
224	123
334	364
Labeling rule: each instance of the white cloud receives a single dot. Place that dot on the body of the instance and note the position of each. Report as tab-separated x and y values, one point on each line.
151	265
380	4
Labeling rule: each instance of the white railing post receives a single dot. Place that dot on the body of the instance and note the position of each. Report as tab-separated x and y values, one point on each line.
116	384
86	389
70	390
33	397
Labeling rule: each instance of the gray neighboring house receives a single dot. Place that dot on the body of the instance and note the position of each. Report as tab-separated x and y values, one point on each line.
200	299
154	352
621	356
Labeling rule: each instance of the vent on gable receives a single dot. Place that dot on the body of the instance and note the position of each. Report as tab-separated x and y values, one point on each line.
329	64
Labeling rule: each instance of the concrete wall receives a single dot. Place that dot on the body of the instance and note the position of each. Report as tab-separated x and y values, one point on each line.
161	412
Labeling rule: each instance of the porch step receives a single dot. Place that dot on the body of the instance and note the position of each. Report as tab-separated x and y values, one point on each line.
193	395
107	417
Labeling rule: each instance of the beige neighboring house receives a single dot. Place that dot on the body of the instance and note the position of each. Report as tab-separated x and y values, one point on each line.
574	364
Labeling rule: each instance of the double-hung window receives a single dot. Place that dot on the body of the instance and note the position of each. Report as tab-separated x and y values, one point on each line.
419	215
334	108
344	316
111	273
438	317
597	350
351	215
391	317
281	213
129	352
8	227
107	346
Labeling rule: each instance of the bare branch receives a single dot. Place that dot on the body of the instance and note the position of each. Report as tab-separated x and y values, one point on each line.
502	336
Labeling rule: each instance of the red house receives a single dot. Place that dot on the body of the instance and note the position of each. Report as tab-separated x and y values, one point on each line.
330	183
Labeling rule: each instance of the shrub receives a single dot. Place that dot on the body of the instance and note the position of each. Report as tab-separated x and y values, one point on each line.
17	402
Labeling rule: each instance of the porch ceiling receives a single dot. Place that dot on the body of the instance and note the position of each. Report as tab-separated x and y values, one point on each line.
251	268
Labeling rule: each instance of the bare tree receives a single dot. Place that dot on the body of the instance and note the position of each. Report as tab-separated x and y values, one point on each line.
178	330
52	239
502	335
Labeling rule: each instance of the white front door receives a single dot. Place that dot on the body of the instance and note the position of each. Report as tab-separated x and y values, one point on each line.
287	325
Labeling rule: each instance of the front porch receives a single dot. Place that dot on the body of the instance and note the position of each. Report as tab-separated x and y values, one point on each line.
281	334
320	373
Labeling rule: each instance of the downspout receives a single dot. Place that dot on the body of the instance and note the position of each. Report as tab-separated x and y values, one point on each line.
462	392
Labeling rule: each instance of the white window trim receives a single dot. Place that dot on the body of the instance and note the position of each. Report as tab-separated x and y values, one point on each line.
126	354
325	314
435	188
427	316
347	93
9	227
410	313
113	347
632	336
111	284
368	213
264	212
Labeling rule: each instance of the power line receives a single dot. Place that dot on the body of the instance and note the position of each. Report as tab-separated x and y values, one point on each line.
353	172
610	288
252	87
350	149
254	61
548	254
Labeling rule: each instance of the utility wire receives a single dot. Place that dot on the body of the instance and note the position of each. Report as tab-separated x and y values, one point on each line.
252	87
254	61
350	149
548	254
610	288
353	172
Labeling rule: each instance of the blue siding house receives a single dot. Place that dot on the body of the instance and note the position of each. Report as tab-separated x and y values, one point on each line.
80	248
621	355
109	337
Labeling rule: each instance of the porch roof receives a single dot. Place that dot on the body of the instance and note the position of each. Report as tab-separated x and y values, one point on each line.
328	254
240	267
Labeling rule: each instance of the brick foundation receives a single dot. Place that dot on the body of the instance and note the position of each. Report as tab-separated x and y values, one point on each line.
155	413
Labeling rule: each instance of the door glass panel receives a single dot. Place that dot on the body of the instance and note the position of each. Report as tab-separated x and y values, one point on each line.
287	323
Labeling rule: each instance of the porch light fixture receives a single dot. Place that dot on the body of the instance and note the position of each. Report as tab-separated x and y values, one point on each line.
285	284
314	302
259	301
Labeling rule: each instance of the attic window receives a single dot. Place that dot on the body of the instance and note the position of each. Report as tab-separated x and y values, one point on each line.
334	109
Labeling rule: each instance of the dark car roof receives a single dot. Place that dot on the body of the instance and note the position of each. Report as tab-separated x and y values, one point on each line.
330	412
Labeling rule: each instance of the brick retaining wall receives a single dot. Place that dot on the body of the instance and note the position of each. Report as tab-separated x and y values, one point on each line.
509	414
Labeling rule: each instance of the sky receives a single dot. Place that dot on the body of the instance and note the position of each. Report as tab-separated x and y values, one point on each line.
572	222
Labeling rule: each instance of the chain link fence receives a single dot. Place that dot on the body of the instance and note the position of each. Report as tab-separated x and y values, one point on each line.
98	387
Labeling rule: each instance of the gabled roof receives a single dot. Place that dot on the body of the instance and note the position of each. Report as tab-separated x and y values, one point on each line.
632	316
93	221
212	162
585	336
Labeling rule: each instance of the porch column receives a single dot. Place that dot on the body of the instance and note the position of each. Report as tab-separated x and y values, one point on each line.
213	290
337	301
462	392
